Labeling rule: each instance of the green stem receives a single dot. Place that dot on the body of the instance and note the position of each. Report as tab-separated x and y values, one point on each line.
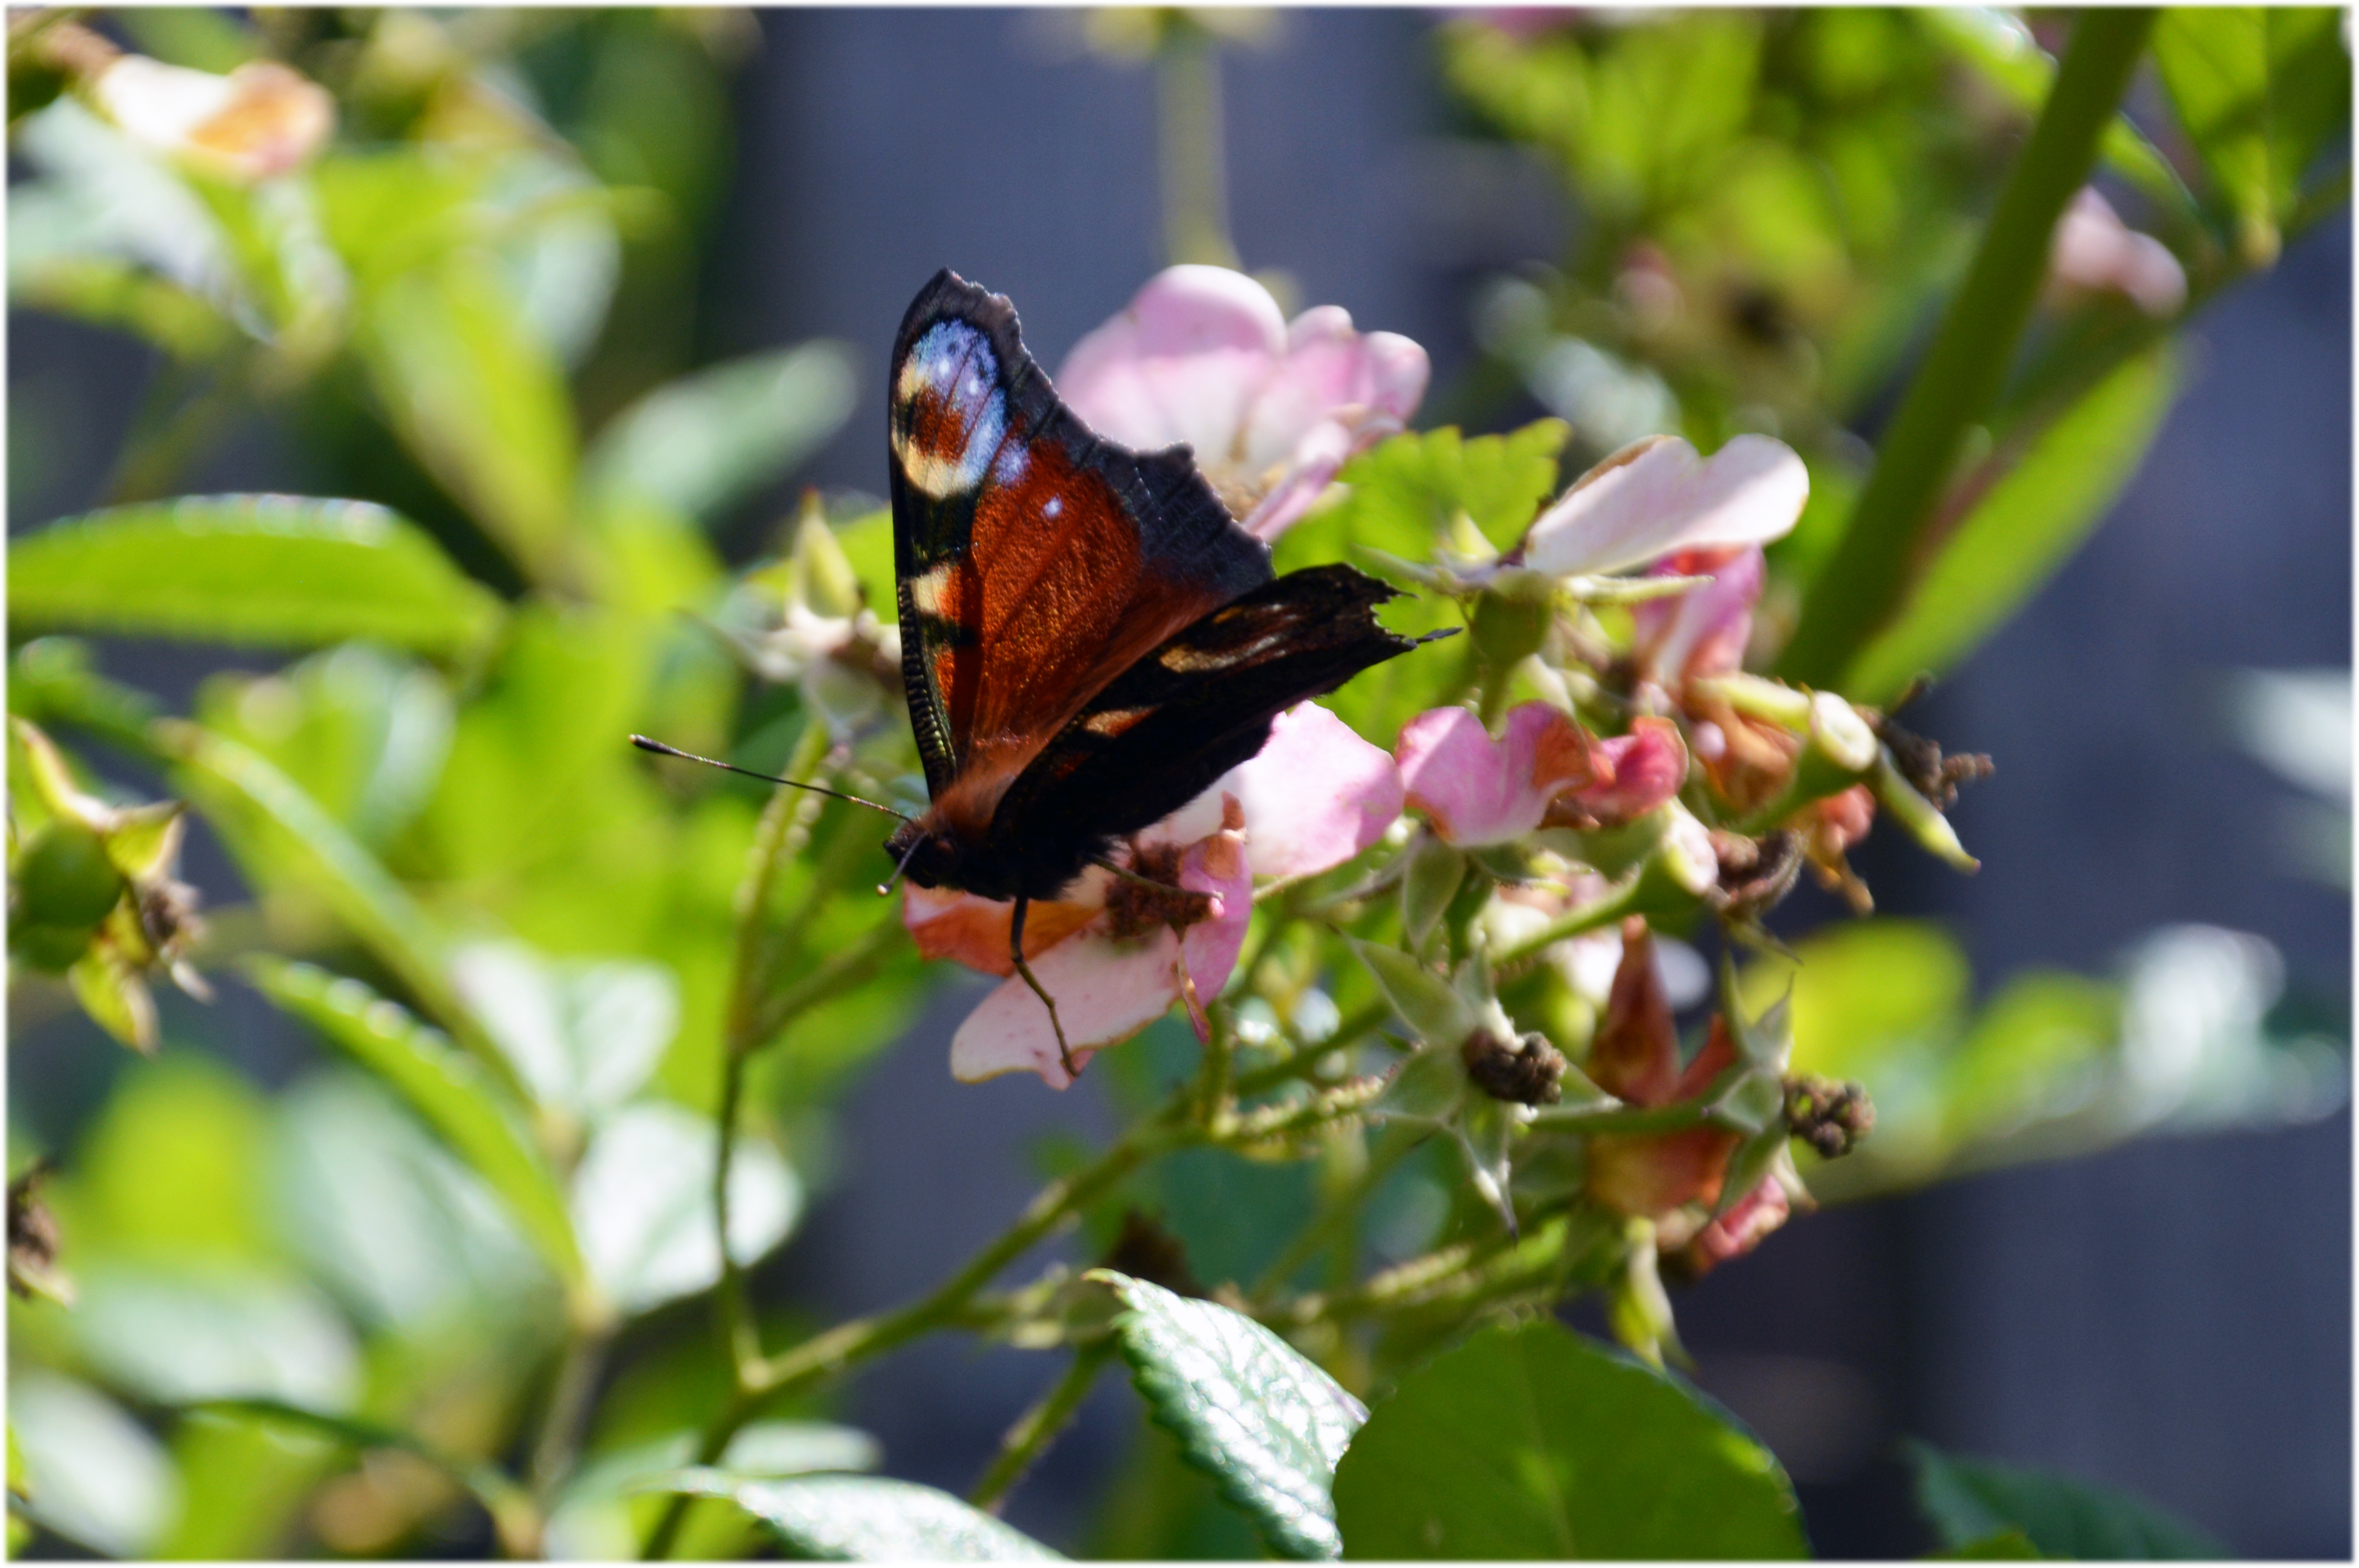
740	1337
1195	194
569	1406
1037	1427
1393	1146
1963	372
1615	903
849	1344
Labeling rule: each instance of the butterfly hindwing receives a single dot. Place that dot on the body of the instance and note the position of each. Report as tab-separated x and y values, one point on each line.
1036	561
1198	705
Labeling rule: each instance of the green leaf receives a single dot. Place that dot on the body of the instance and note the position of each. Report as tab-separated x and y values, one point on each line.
2006	1546
2002	50
1531	1442
592	1522
865	1518
1406	491
643	1203
2260	91
1248	1411
183	1335
479	401
1969	1501
254	570
582	1036
2033	515
509	1504
281	837
91	1473
447	1089
1429	1004
704	443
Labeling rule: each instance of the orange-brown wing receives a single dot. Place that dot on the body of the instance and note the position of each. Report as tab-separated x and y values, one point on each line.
1036	562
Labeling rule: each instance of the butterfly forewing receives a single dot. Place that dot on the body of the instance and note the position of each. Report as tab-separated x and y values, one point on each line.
1036	562
1163	730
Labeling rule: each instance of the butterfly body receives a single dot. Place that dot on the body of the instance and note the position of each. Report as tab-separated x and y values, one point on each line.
1089	639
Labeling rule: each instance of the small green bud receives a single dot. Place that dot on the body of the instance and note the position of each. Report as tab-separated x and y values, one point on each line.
820	573
64	878
1913	811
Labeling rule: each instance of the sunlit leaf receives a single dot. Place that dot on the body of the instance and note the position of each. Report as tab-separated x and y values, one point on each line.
1531	1442
447	1089
2037	507
479	401
592	1522
90	1472
865	1518
1969	1501
179	1336
643	1205
276	570
582	1036
706	442
362	732
2260	90
1248	1410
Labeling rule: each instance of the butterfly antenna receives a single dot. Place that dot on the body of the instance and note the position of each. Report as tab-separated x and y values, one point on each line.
644	744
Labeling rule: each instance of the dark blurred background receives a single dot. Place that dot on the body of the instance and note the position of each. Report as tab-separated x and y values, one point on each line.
2173	1318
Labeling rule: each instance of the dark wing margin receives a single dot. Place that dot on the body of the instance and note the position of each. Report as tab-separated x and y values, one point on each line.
1195	707
1049	559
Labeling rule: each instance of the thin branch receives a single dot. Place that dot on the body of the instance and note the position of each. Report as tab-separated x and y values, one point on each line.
1037	1427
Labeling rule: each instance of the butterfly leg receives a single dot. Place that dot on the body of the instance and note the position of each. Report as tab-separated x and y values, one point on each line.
1015	952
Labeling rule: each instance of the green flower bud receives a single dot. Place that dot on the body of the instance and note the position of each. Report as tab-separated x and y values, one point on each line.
64	878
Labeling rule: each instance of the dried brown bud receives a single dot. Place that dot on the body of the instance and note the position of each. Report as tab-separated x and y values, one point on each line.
1932	775
1145	1250
1831	1118
33	1240
1525	1072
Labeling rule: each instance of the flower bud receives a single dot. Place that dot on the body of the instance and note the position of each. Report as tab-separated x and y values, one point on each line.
261	119
1526	1070
1831	1116
64	878
1913	811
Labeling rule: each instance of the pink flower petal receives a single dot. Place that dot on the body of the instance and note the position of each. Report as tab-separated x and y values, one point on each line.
1183	363
1314	797
1742	1229
1474	789
1635	772
1107	991
1331	367
1317	460
1210	948
1656	497
1702	631
974	932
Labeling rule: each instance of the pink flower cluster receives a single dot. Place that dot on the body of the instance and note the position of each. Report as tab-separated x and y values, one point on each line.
1273	411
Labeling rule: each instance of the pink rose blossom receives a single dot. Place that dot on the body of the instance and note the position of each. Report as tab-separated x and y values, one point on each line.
1315	796
1544	770
1656	496
1703	631
1202	355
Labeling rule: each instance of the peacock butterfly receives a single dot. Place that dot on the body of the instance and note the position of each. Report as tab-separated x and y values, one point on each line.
1088	639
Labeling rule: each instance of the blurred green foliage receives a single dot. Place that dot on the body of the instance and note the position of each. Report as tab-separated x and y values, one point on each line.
371	1310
